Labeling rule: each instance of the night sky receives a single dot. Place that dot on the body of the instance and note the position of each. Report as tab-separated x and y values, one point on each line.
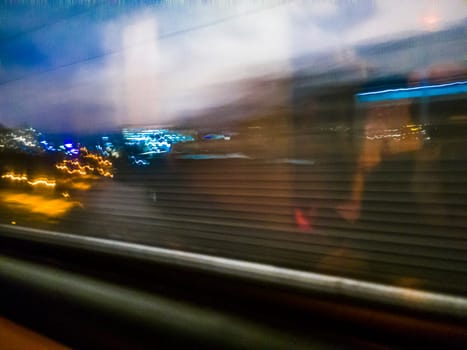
85	66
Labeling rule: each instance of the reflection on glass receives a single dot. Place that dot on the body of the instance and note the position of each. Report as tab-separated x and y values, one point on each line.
342	159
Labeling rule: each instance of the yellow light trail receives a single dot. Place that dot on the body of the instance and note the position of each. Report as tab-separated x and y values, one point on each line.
44	182
14	177
74	171
35	182
39	204
104	173
99	159
81	186
102	168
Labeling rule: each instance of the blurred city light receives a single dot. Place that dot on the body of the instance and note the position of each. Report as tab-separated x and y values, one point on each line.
458	87
36	204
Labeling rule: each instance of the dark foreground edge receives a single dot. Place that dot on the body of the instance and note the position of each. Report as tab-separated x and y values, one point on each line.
131	293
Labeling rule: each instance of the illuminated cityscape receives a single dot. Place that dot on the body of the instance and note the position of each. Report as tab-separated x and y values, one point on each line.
24	139
146	143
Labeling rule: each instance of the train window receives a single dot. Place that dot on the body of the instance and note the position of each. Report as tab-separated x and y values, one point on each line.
241	132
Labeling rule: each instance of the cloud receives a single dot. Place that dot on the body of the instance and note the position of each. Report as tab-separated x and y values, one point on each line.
155	81
398	17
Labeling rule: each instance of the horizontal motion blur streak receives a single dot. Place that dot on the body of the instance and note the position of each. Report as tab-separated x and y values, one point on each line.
337	286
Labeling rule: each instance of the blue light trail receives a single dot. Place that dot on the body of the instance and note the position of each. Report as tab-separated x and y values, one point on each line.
459	87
